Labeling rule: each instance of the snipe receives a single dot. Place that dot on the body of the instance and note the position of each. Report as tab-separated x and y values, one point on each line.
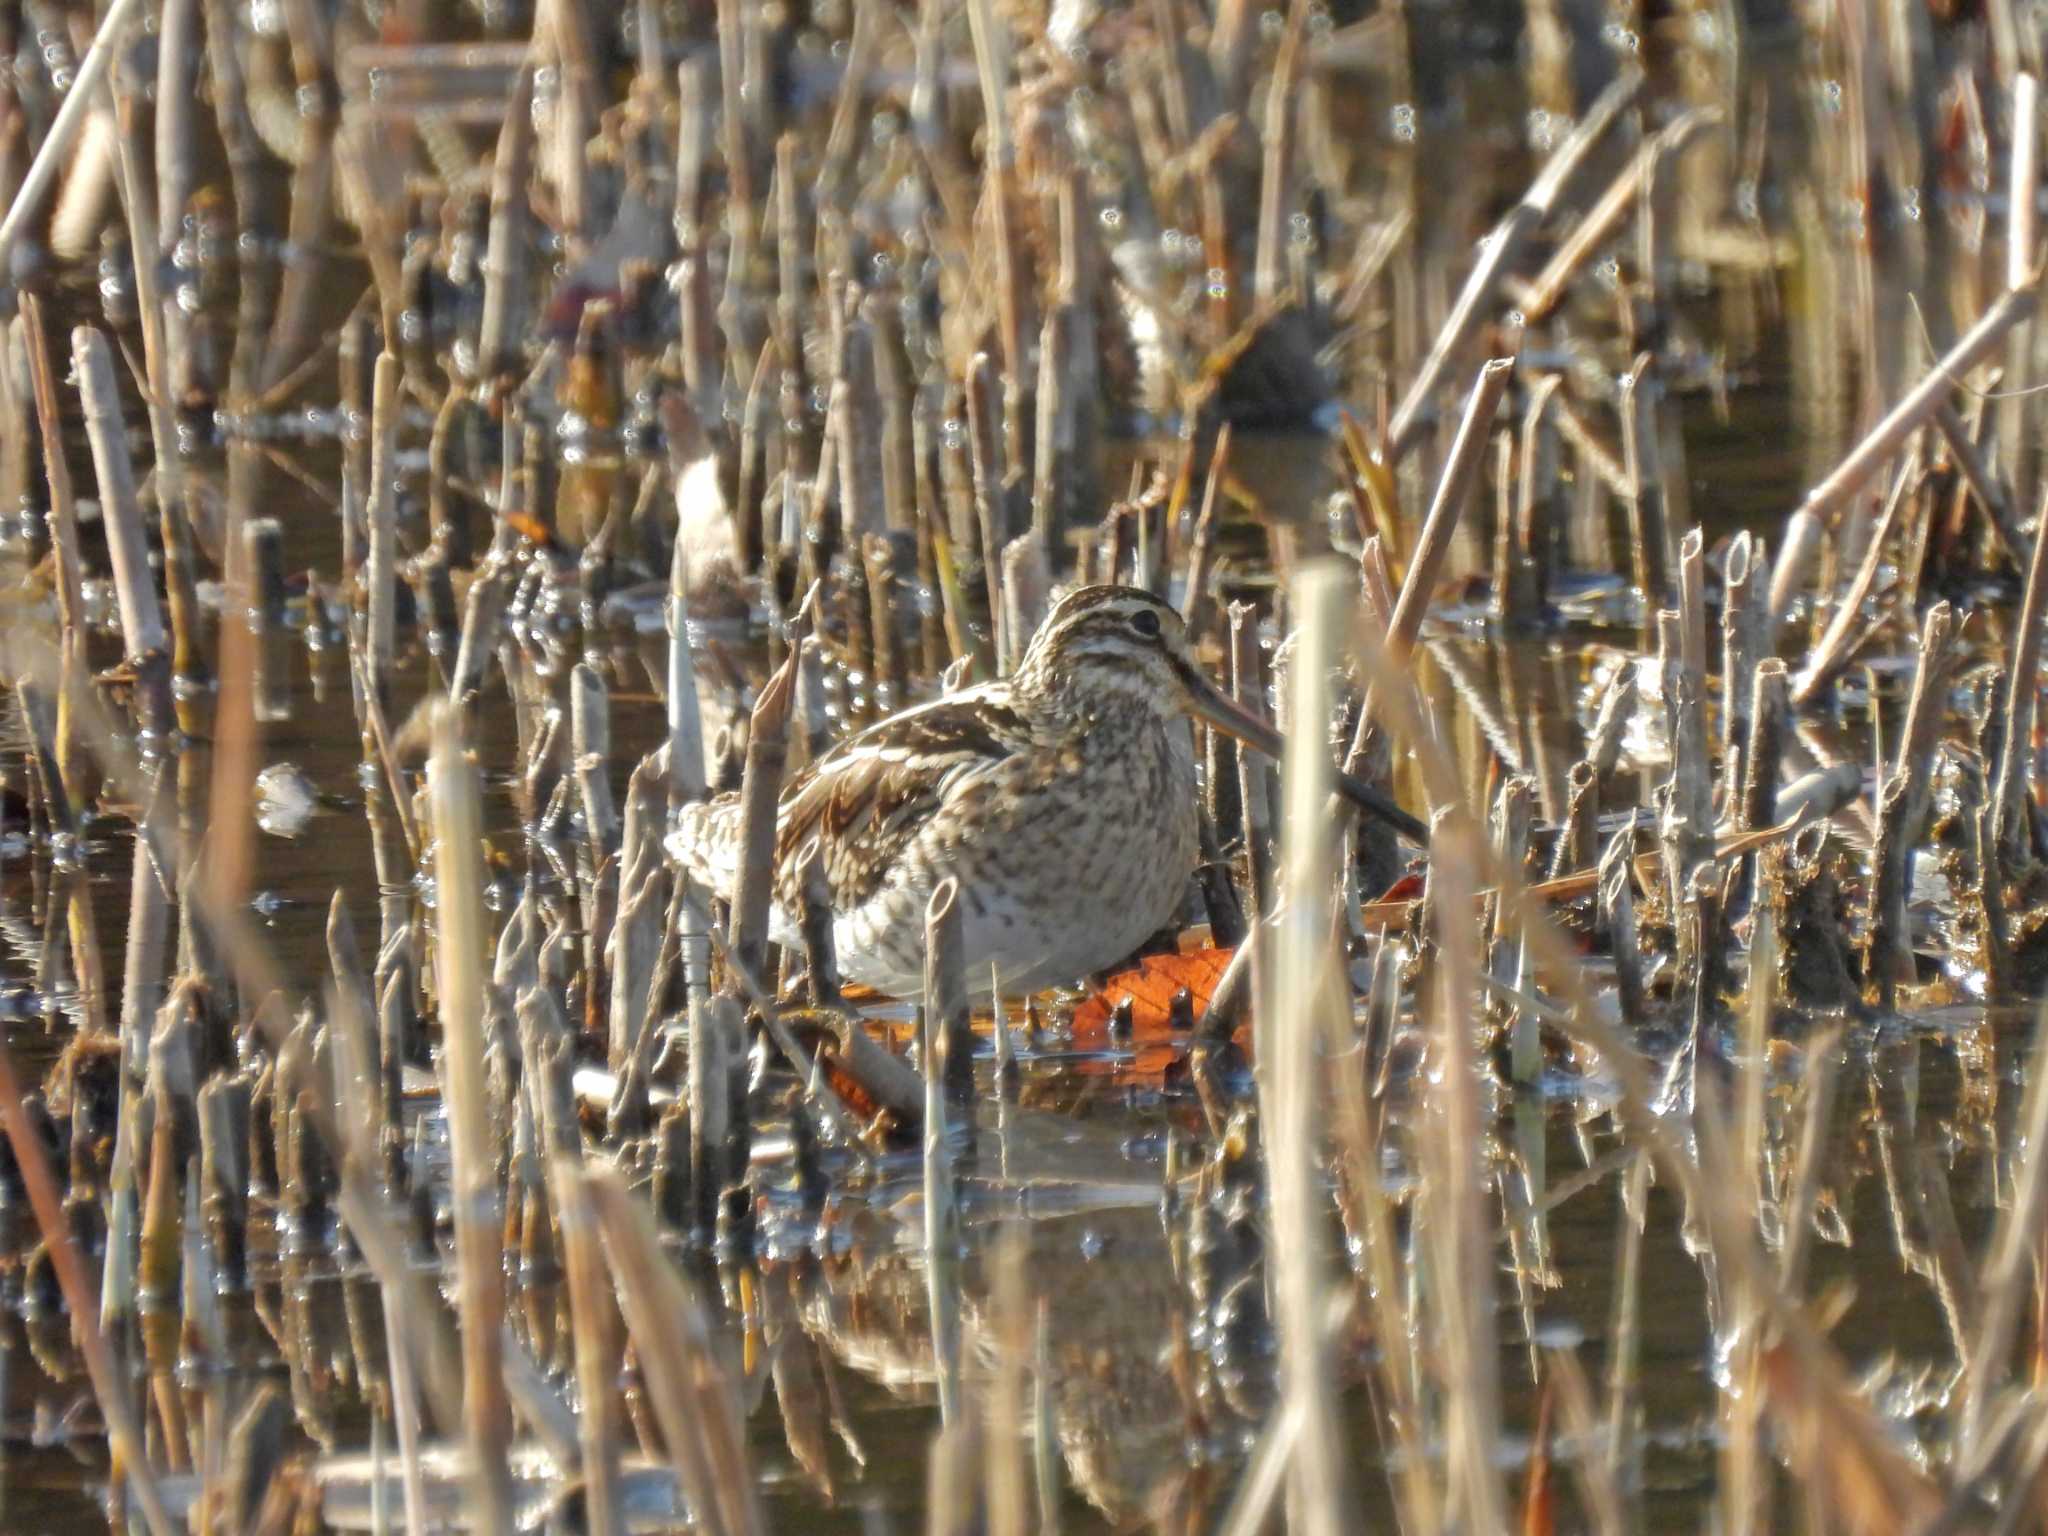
1062	798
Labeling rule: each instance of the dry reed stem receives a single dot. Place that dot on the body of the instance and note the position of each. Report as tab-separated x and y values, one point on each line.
1371	1220
1498	253
47	1201
1730	1233
2011	810
1453	490
1799	545
2010	308
382	574
687	1385
1982	480
142	625
459	957
140	213
1013	1315
1282	103
82	97
591	1310
1606	215
1846	624
375	1225
56	469
944	985
1459	1257
1903	803
504	255
1297	1022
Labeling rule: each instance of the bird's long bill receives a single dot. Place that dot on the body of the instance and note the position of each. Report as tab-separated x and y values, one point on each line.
1210	703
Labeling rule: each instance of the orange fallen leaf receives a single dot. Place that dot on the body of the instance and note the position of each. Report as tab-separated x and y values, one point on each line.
529	528
1151	985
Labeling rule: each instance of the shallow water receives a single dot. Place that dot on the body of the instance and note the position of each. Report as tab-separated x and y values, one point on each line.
852	1342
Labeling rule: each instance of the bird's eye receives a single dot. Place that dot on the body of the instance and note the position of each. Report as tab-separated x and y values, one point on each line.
1146	623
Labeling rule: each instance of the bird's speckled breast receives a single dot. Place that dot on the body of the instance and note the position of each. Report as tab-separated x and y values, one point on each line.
1056	883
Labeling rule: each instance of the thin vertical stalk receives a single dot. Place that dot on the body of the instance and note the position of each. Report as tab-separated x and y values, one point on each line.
945	991
1903	804
142	624
1296	1024
383	563
505	244
2012	819
459	954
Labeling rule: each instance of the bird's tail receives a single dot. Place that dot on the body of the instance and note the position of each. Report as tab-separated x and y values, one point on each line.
706	844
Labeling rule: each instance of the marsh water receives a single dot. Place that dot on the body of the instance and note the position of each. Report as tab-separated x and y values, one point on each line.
852	1302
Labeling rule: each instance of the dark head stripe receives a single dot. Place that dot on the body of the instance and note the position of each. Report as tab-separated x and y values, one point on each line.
1081	599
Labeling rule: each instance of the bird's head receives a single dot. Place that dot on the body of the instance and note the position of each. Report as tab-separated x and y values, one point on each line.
1105	649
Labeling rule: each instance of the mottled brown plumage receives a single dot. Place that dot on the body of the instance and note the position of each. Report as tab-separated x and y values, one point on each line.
1063	800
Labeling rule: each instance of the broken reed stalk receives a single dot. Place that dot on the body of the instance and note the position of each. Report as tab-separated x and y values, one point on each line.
1742	647
1903	804
591	1310
760	793
687	1385
45	1198
2011	810
1884	440
1453	490
497	347
1303	994
1498	254
1593	231
56	470
143	635
382	571
945	990
81	98
460	974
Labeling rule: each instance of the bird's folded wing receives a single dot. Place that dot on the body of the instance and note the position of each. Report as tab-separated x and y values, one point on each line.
867	798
